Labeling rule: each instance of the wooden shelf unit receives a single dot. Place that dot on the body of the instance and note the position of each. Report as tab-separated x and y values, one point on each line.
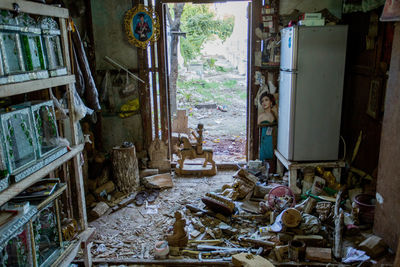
35	85
74	176
15	189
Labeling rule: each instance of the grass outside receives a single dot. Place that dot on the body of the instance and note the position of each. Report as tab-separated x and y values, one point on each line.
197	91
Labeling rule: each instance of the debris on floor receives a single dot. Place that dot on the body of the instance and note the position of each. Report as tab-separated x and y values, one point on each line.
248	218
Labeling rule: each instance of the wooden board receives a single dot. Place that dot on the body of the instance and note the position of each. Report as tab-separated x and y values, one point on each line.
300	165
319	254
70	252
387	212
15	189
159	181
35	8
196	170
31	86
250	260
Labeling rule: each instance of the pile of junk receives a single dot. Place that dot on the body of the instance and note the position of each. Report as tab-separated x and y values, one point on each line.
258	221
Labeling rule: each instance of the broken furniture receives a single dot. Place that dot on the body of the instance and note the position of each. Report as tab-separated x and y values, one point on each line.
293	167
190	151
70	162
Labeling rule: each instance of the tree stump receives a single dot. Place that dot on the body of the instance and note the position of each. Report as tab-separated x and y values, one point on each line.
125	168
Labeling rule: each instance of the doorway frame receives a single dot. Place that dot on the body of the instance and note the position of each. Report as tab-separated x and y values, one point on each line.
252	134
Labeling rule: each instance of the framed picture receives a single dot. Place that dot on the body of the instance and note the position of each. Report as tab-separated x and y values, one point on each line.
141	26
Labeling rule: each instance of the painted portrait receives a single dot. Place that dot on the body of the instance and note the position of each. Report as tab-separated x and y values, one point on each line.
141	26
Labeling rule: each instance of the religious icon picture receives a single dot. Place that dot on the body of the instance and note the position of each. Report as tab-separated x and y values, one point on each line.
141	26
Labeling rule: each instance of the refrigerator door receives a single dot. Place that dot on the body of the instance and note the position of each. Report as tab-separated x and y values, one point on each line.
287	85
318	93
289	49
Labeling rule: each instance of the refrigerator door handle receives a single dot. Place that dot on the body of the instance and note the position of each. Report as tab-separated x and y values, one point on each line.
293	71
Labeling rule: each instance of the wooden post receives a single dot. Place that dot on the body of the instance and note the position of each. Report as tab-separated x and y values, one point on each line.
76	163
125	168
163	77
397	259
337	246
386	222
154	73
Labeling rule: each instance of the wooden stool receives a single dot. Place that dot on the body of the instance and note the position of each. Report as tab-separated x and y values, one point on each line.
294	166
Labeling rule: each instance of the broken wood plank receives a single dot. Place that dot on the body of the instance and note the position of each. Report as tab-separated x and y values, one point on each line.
147	172
250	260
319	254
158	181
258	242
374	246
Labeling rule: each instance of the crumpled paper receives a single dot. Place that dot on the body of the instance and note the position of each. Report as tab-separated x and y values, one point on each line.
354	255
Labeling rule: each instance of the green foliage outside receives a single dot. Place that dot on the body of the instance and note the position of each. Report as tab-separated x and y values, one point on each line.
201	91
200	24
230	83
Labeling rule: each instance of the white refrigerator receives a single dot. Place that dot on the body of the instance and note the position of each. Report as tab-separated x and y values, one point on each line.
310	92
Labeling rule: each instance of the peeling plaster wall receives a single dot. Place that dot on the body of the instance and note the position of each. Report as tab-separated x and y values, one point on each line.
334	6
110	40
109	35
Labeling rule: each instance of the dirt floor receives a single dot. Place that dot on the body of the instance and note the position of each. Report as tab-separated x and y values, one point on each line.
132	232
216	97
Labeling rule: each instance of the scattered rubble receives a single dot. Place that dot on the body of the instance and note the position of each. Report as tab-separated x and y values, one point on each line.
246	219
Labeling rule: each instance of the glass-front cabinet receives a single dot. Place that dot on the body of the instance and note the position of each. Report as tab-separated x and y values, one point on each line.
46	234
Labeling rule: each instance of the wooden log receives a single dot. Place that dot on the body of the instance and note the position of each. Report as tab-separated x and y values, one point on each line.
125	168
108	187
99	210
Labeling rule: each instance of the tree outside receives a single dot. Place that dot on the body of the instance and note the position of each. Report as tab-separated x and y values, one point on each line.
208	72
200	24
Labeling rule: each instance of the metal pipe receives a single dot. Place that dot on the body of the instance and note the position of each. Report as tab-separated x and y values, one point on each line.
113	62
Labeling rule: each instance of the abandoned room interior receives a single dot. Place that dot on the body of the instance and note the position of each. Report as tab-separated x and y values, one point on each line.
208	133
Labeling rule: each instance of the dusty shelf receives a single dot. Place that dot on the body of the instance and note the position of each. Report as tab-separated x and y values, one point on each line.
68	255
35	8
15	189
35	85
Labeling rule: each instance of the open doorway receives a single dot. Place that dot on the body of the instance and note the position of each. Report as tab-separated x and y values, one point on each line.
207	63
